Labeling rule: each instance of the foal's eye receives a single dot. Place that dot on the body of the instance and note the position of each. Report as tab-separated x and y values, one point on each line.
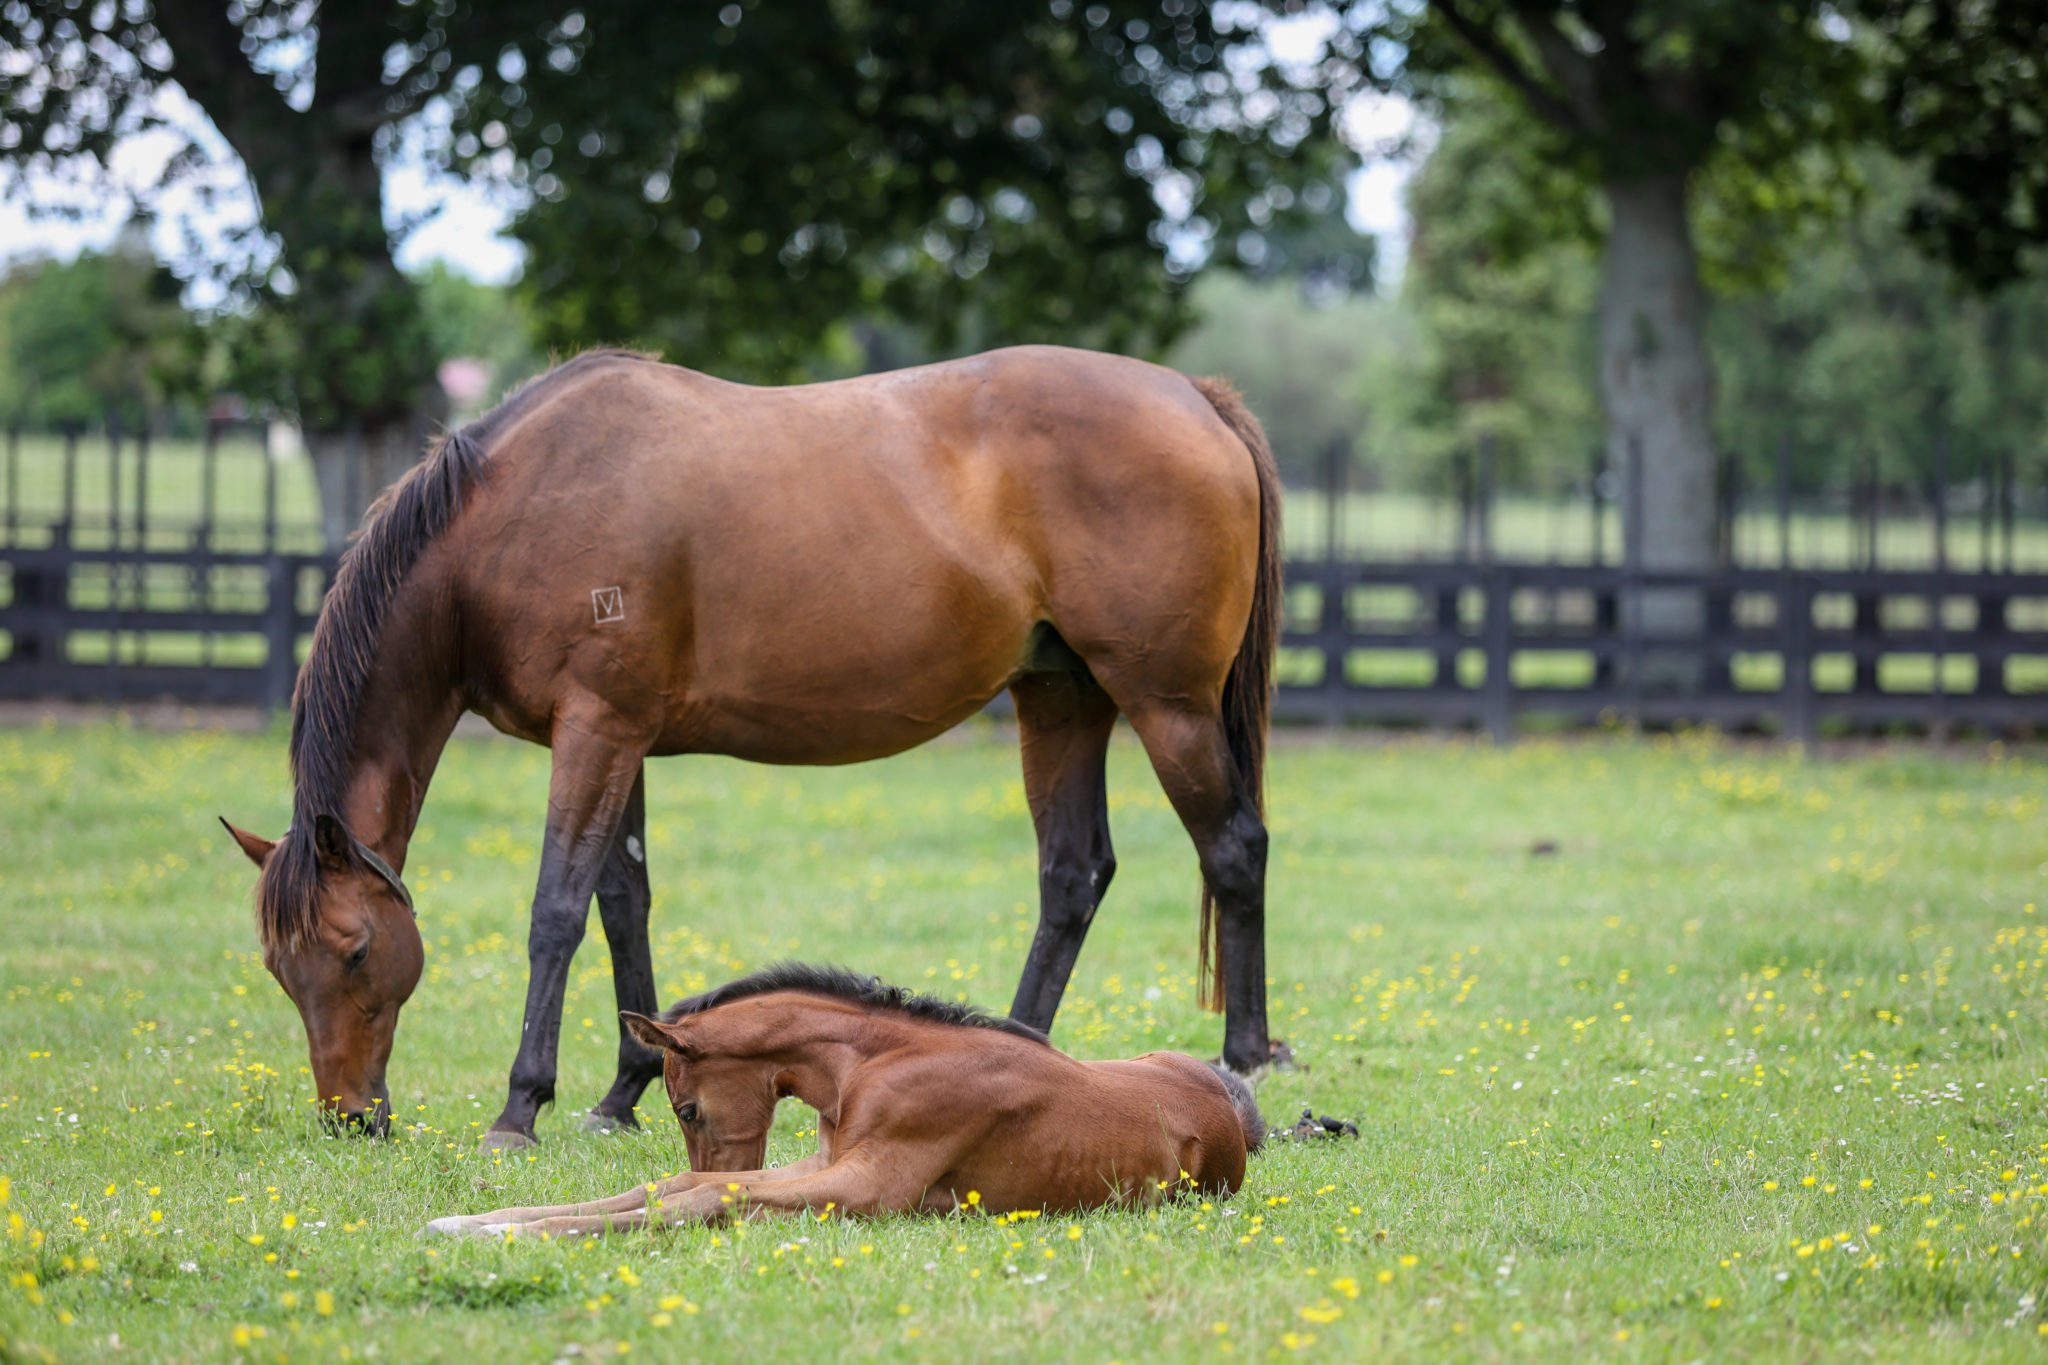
687	1113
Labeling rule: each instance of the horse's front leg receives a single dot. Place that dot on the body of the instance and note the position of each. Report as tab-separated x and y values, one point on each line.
597	759
623	898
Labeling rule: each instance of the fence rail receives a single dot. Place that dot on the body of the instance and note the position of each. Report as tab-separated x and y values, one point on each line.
1486	644
1480	645
193	570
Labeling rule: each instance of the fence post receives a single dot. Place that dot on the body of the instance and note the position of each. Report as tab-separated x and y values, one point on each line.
1498	705
1867	625
1598	506
2006	495
1632	581
1336	460
1795	651
1939	598
14	482
1785	502
71	434
113	560
269	497
280	617
1482	522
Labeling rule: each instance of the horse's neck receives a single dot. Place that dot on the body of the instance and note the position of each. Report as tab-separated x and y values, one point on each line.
408	711
813	1046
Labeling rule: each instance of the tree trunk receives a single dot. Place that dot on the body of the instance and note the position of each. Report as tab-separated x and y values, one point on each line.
351	467
1657	385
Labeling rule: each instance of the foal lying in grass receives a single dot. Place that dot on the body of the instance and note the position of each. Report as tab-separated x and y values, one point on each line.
923	1106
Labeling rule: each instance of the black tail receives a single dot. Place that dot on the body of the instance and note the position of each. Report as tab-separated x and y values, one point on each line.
1248	688
1248	1115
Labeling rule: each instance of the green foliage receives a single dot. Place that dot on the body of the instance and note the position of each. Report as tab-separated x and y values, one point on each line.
1501	288
96	336
487	321
1869	355
1591	1086
1965	83
735	185
1302	365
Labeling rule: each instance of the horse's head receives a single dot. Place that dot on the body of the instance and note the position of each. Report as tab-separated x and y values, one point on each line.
726	1105
338	934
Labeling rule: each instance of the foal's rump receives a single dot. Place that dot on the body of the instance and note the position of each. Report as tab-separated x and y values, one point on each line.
1205	1114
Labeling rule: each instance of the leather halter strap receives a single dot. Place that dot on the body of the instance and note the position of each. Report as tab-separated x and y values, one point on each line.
383	869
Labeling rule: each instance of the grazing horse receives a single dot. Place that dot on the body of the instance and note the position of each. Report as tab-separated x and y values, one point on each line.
627	559
924	1106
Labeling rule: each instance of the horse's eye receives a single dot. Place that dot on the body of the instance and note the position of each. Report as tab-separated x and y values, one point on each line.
687	1113
355	959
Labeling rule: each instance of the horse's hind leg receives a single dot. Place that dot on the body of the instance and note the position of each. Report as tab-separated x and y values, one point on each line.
623	899
1064	721
1191	754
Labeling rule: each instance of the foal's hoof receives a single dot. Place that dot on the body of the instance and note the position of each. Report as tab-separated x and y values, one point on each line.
594	1122
504	1143
463	1227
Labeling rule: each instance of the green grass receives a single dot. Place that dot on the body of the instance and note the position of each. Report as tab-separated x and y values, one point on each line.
1750	1068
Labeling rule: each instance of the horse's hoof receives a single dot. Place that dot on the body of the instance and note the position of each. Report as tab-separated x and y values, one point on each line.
445	1227
504	1143
594	1122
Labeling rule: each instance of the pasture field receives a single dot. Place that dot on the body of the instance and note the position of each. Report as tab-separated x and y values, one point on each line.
1660	1049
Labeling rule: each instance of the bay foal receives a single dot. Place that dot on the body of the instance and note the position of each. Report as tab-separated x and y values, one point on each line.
923	1106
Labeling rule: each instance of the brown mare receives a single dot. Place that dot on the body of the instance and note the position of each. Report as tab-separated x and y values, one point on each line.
626	559
923	1106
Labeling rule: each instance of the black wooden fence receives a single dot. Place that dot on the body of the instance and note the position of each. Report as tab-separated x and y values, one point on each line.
1483	645
116	604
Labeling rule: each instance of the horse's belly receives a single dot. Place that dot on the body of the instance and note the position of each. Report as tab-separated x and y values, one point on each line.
844	696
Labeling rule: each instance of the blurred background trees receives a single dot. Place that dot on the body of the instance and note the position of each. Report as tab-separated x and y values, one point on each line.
1818	232
737	184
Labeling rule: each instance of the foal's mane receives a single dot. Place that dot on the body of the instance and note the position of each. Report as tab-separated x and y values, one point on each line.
842	984
405	519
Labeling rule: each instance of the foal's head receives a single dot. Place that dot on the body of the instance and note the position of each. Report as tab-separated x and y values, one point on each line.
725	1104
339	936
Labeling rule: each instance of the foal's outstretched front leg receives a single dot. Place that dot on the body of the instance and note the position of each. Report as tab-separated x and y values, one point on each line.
621	1210
597	758
850	1186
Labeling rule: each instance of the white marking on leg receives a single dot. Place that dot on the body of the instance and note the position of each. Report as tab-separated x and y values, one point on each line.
634	851
608	604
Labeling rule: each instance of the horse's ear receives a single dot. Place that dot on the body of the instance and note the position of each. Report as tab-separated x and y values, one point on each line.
655	1034
254	845
331	840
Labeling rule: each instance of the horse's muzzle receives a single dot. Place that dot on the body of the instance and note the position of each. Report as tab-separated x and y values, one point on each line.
372	1120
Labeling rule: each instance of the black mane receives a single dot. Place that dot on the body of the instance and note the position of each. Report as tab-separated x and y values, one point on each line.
842	984
406	518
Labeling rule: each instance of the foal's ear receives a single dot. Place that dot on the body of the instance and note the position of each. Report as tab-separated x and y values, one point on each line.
254	845
331	839
655	1034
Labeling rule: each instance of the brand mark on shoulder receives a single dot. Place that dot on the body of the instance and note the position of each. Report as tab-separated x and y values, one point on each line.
608	604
